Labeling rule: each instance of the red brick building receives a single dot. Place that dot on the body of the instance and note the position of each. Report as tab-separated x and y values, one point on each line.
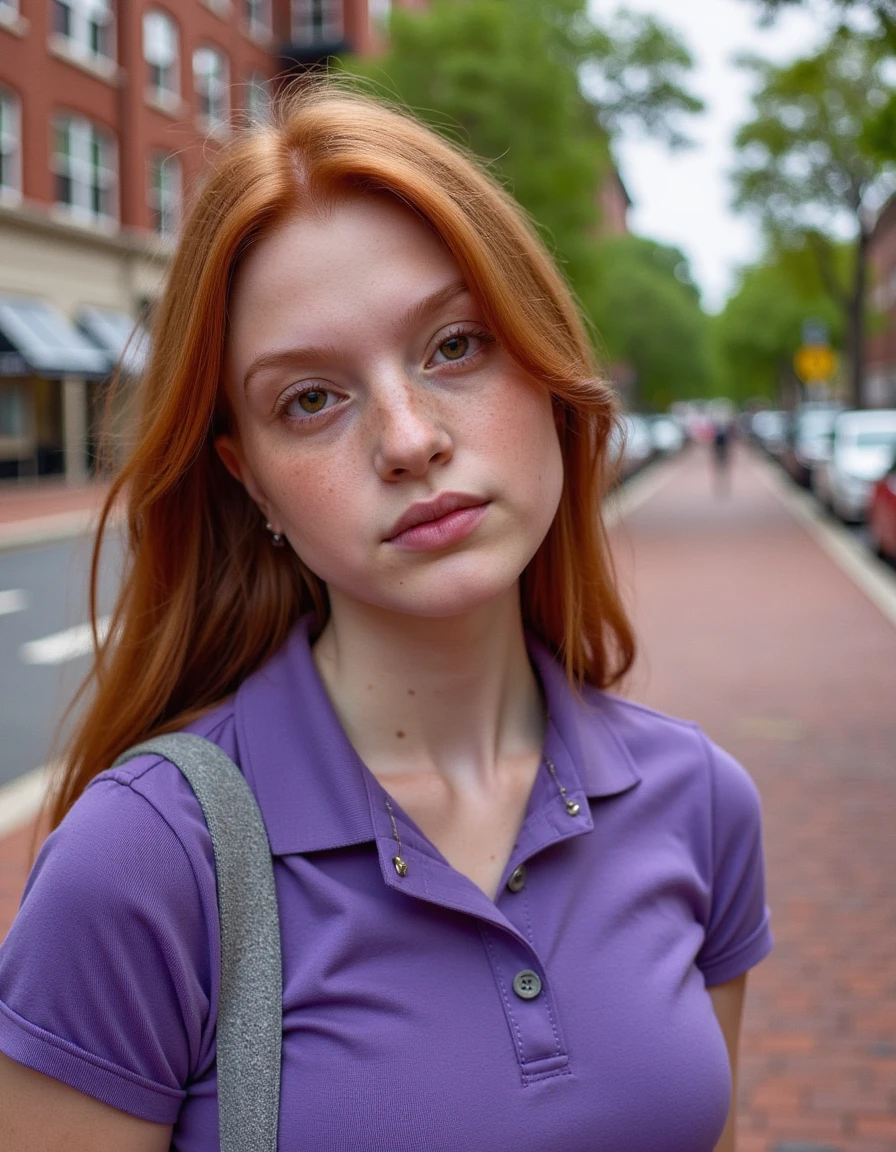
109	110
880	349
614	202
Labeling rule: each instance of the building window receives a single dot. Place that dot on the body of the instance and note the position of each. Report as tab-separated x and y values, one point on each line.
219	7
12	412
9	10
317	21
160	51
258	99
10	146
86	26
210	76
380	11
164	193
257	14
85	166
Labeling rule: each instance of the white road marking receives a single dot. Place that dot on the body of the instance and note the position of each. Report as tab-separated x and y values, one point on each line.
846	552
61	647
20	800
13	600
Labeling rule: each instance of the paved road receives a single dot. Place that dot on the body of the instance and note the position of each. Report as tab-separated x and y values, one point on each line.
43	592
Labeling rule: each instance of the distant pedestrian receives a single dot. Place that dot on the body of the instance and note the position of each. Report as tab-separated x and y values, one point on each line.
721	454
365	559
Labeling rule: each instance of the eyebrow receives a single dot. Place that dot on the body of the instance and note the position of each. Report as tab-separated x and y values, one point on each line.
283	357
432	303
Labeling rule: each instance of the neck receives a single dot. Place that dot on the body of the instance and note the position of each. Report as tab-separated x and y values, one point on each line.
456	695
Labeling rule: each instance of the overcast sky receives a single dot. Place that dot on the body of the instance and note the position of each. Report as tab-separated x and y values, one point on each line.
683	199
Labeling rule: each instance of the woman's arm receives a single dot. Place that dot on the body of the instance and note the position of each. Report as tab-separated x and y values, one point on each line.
44	1115
728	1002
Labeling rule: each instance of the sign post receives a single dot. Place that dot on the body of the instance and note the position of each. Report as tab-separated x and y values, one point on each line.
815	361
815	364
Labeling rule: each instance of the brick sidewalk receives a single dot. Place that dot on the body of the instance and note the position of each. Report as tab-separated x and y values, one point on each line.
36	499
751	630
37	512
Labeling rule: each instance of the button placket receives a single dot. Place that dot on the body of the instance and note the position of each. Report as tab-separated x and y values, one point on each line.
528	1007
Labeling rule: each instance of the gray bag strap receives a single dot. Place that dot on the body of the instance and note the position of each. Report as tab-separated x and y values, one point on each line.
250	1013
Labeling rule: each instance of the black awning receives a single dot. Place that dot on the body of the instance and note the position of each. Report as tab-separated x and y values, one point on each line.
125	341
36	339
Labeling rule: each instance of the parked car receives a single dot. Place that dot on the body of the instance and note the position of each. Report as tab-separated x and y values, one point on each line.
882	515
631	445
809	439
862	447
769	429
666	434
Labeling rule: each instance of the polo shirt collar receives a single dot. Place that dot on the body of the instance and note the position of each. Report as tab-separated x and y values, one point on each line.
582	723
311	785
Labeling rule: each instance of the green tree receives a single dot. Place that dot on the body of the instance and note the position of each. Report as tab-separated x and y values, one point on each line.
539	91
806	168
649	316
754	338
872	17
882	13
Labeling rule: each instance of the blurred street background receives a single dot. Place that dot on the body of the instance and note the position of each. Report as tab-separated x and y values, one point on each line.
718	181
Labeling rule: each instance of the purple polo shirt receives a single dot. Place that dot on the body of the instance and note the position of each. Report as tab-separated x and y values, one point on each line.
402	1028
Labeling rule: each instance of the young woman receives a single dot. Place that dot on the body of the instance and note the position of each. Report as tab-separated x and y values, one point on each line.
366	559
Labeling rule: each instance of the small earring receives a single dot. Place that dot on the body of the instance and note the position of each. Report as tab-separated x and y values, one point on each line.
276	537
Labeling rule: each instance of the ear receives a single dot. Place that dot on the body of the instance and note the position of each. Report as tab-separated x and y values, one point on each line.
558	409
230	452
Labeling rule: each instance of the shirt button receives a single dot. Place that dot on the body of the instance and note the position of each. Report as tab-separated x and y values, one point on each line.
527	984
517	879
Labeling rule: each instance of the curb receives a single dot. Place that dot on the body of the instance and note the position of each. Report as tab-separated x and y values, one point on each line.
46	529
864	569
49	529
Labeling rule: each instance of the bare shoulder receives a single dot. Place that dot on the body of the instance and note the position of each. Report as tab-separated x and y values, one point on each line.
43	1115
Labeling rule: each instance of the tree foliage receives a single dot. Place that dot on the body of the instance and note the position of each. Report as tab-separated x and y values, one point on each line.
539	90
874	18
881	14
756	336
806	165
650	319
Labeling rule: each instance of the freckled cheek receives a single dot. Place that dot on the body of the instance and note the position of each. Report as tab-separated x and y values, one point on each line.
313	493
517	426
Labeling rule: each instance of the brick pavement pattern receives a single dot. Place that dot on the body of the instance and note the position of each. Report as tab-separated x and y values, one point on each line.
750	629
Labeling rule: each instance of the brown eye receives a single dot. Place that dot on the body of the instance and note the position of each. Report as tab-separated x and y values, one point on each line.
313	400
455	347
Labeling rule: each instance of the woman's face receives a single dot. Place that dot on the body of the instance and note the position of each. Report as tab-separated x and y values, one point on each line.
368	395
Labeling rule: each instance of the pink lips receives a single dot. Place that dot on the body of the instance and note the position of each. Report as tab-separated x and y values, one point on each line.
448	519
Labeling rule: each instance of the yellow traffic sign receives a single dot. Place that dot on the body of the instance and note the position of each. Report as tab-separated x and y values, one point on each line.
815	363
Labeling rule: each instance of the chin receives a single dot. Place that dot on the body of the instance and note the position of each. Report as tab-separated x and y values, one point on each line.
441	595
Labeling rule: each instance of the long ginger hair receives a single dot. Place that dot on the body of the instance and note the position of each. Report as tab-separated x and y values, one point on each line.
205	599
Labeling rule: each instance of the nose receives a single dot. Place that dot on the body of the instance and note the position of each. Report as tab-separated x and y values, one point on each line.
411	436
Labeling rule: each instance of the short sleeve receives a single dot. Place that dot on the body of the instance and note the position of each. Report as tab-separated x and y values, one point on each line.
107	974
738	934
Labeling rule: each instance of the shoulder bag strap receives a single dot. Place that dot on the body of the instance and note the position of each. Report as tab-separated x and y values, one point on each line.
250	1013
